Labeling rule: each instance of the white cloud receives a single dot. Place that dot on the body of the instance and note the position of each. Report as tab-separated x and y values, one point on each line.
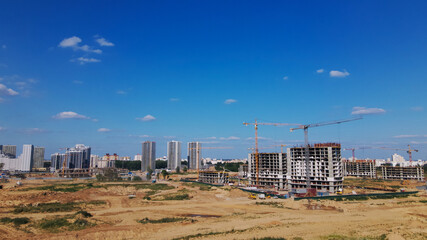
336	73
144	136
366	111
416	142
285	78
83	60
259	138
103	42
121	92
229	138
104	130
3	46
73	42
320	70
169	137
417	109
230	101
70	42
77	82
174	99
69	115
7	91
406	136
147	118
2	129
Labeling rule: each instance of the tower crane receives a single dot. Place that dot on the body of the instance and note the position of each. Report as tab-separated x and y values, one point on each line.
199	158
307	147
255	124
64	163
409	151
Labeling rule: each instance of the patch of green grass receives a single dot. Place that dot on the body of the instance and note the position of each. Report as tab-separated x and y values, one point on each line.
55	207
410	201
177	196
75	187
67	223
201	186
154	186
162	220
16	221
209	234
423	201
272	204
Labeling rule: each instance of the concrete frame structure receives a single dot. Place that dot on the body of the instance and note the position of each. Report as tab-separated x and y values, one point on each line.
360	168
402	173
214	177
272	170
288	170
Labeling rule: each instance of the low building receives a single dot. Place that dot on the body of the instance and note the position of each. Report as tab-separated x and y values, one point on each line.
214	177
402	173
360	168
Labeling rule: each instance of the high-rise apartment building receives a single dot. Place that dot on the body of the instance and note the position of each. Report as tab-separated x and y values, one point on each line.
9	151
38	157
76	157
194	152
174	155
27	157
148	155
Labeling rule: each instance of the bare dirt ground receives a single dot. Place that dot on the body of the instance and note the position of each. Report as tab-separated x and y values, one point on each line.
213	213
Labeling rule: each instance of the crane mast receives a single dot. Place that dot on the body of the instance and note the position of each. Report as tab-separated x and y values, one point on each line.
255	124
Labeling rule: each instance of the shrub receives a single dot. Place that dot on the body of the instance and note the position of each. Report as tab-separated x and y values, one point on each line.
16	221
83	213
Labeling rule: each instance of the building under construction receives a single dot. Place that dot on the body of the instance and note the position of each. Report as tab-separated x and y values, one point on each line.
360	168
289	171
402	173
271	169
214	177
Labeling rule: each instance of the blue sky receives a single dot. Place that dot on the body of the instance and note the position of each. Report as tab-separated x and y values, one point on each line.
112	74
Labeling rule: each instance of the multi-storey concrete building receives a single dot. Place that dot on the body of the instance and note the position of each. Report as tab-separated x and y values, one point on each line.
214	177
148	156
76	157
38	157
9	151
272	169
402	173
360	168
194	158
289	170
174	155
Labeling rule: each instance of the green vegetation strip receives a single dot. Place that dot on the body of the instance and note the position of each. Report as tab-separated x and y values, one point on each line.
55	207
63	187
70	222
201	186
362	197
15	221
210	234
162	220
156	186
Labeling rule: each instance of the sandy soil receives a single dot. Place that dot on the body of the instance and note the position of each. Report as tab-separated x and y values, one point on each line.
223	210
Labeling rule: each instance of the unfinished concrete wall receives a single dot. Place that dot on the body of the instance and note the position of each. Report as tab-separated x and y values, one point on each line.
402	173
272	170
360	168
214	177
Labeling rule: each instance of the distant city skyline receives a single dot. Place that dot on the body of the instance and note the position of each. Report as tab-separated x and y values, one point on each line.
194	71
